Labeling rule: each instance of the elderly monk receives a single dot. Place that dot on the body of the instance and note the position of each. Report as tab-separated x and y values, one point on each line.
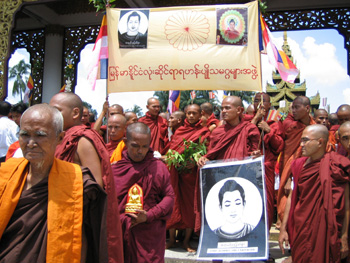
236	139
84	146
116	127
208	117
184	180
293	127
321	117
317	210
50	210
144	231
157	124
272	145
131	117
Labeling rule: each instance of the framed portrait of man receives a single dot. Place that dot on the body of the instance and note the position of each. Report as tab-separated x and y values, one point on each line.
234	222
133	28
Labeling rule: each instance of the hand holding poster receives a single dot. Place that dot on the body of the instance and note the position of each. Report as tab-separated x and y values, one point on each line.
234	225
181	48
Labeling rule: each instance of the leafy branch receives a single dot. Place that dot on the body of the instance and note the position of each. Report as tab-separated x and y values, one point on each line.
101	5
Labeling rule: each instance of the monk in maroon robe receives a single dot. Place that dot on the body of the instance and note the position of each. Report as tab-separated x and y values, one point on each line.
85	146
184	182
144	231
272	145
116	126
208	117
293	127
157	124
235	140
317	210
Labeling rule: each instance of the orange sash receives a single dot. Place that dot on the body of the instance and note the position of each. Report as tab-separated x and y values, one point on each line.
65	205
117	153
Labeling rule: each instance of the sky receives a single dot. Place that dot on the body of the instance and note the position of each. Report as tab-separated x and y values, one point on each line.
319	54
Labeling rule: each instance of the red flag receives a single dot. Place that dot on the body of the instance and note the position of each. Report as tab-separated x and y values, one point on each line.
211	95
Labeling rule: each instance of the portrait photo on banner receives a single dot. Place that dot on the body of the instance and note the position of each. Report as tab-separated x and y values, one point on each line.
232	24
234	222
133	28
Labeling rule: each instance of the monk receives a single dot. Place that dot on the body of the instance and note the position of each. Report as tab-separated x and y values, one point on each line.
184	181
236	139
50	210
293	127
85	117
84	146
144	231
317	210
208	117
250	110
116	126
272	145
131	117
157	124
321	117
176	120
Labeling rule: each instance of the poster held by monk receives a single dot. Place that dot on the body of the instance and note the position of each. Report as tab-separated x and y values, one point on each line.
234	221
197	47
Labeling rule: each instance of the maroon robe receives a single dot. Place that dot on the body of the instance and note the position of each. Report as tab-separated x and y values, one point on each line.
228	142
25	237
212	120
318	208
66	151
159	131
184	183
144	242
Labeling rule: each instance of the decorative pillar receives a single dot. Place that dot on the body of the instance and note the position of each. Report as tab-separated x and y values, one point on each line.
53	61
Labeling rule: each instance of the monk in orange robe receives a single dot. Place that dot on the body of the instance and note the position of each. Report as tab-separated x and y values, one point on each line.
236	139
293	127
84	146
116	126
157	124
184	182
317	210
50	210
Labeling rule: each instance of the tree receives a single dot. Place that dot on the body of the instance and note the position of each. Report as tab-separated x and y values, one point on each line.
246	96
163	97
17	72
137	110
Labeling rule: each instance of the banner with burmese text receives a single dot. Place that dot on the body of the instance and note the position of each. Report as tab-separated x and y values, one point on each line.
184	48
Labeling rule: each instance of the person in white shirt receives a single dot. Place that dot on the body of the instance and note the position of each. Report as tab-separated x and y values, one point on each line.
8	129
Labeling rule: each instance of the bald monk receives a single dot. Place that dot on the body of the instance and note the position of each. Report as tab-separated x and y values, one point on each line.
50	210
236	139
184	181
144	231
176	120
208	117
131	117
272	145
84	146
321	117
343	114
157	124
293	127
116	126
317	210
250	110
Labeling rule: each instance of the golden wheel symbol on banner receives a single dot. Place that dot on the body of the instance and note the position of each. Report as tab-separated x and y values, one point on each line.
187	30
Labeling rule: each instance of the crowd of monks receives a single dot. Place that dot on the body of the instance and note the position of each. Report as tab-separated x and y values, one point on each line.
89	192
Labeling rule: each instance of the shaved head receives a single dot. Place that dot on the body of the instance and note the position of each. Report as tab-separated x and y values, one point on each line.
233	100
333	119
250	109
321	117
138	128
344	127
115	109
118	117
343	113
302	100
207	108
131	117
152	100
179	115
344	135
70	100
314	141
320	131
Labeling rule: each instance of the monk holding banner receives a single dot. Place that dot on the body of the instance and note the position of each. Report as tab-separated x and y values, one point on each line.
142	181
184	180
317	210
84	146
50	210
157	124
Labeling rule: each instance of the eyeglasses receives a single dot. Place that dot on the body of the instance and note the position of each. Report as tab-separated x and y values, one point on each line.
305	140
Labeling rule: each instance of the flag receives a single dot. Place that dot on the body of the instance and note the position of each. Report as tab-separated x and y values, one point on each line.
174	100
28	94
193	95
99	59
278	58
211	95
63	88
225	94
324	102
274	115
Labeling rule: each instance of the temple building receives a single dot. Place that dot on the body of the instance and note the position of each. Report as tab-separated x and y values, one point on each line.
282	90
